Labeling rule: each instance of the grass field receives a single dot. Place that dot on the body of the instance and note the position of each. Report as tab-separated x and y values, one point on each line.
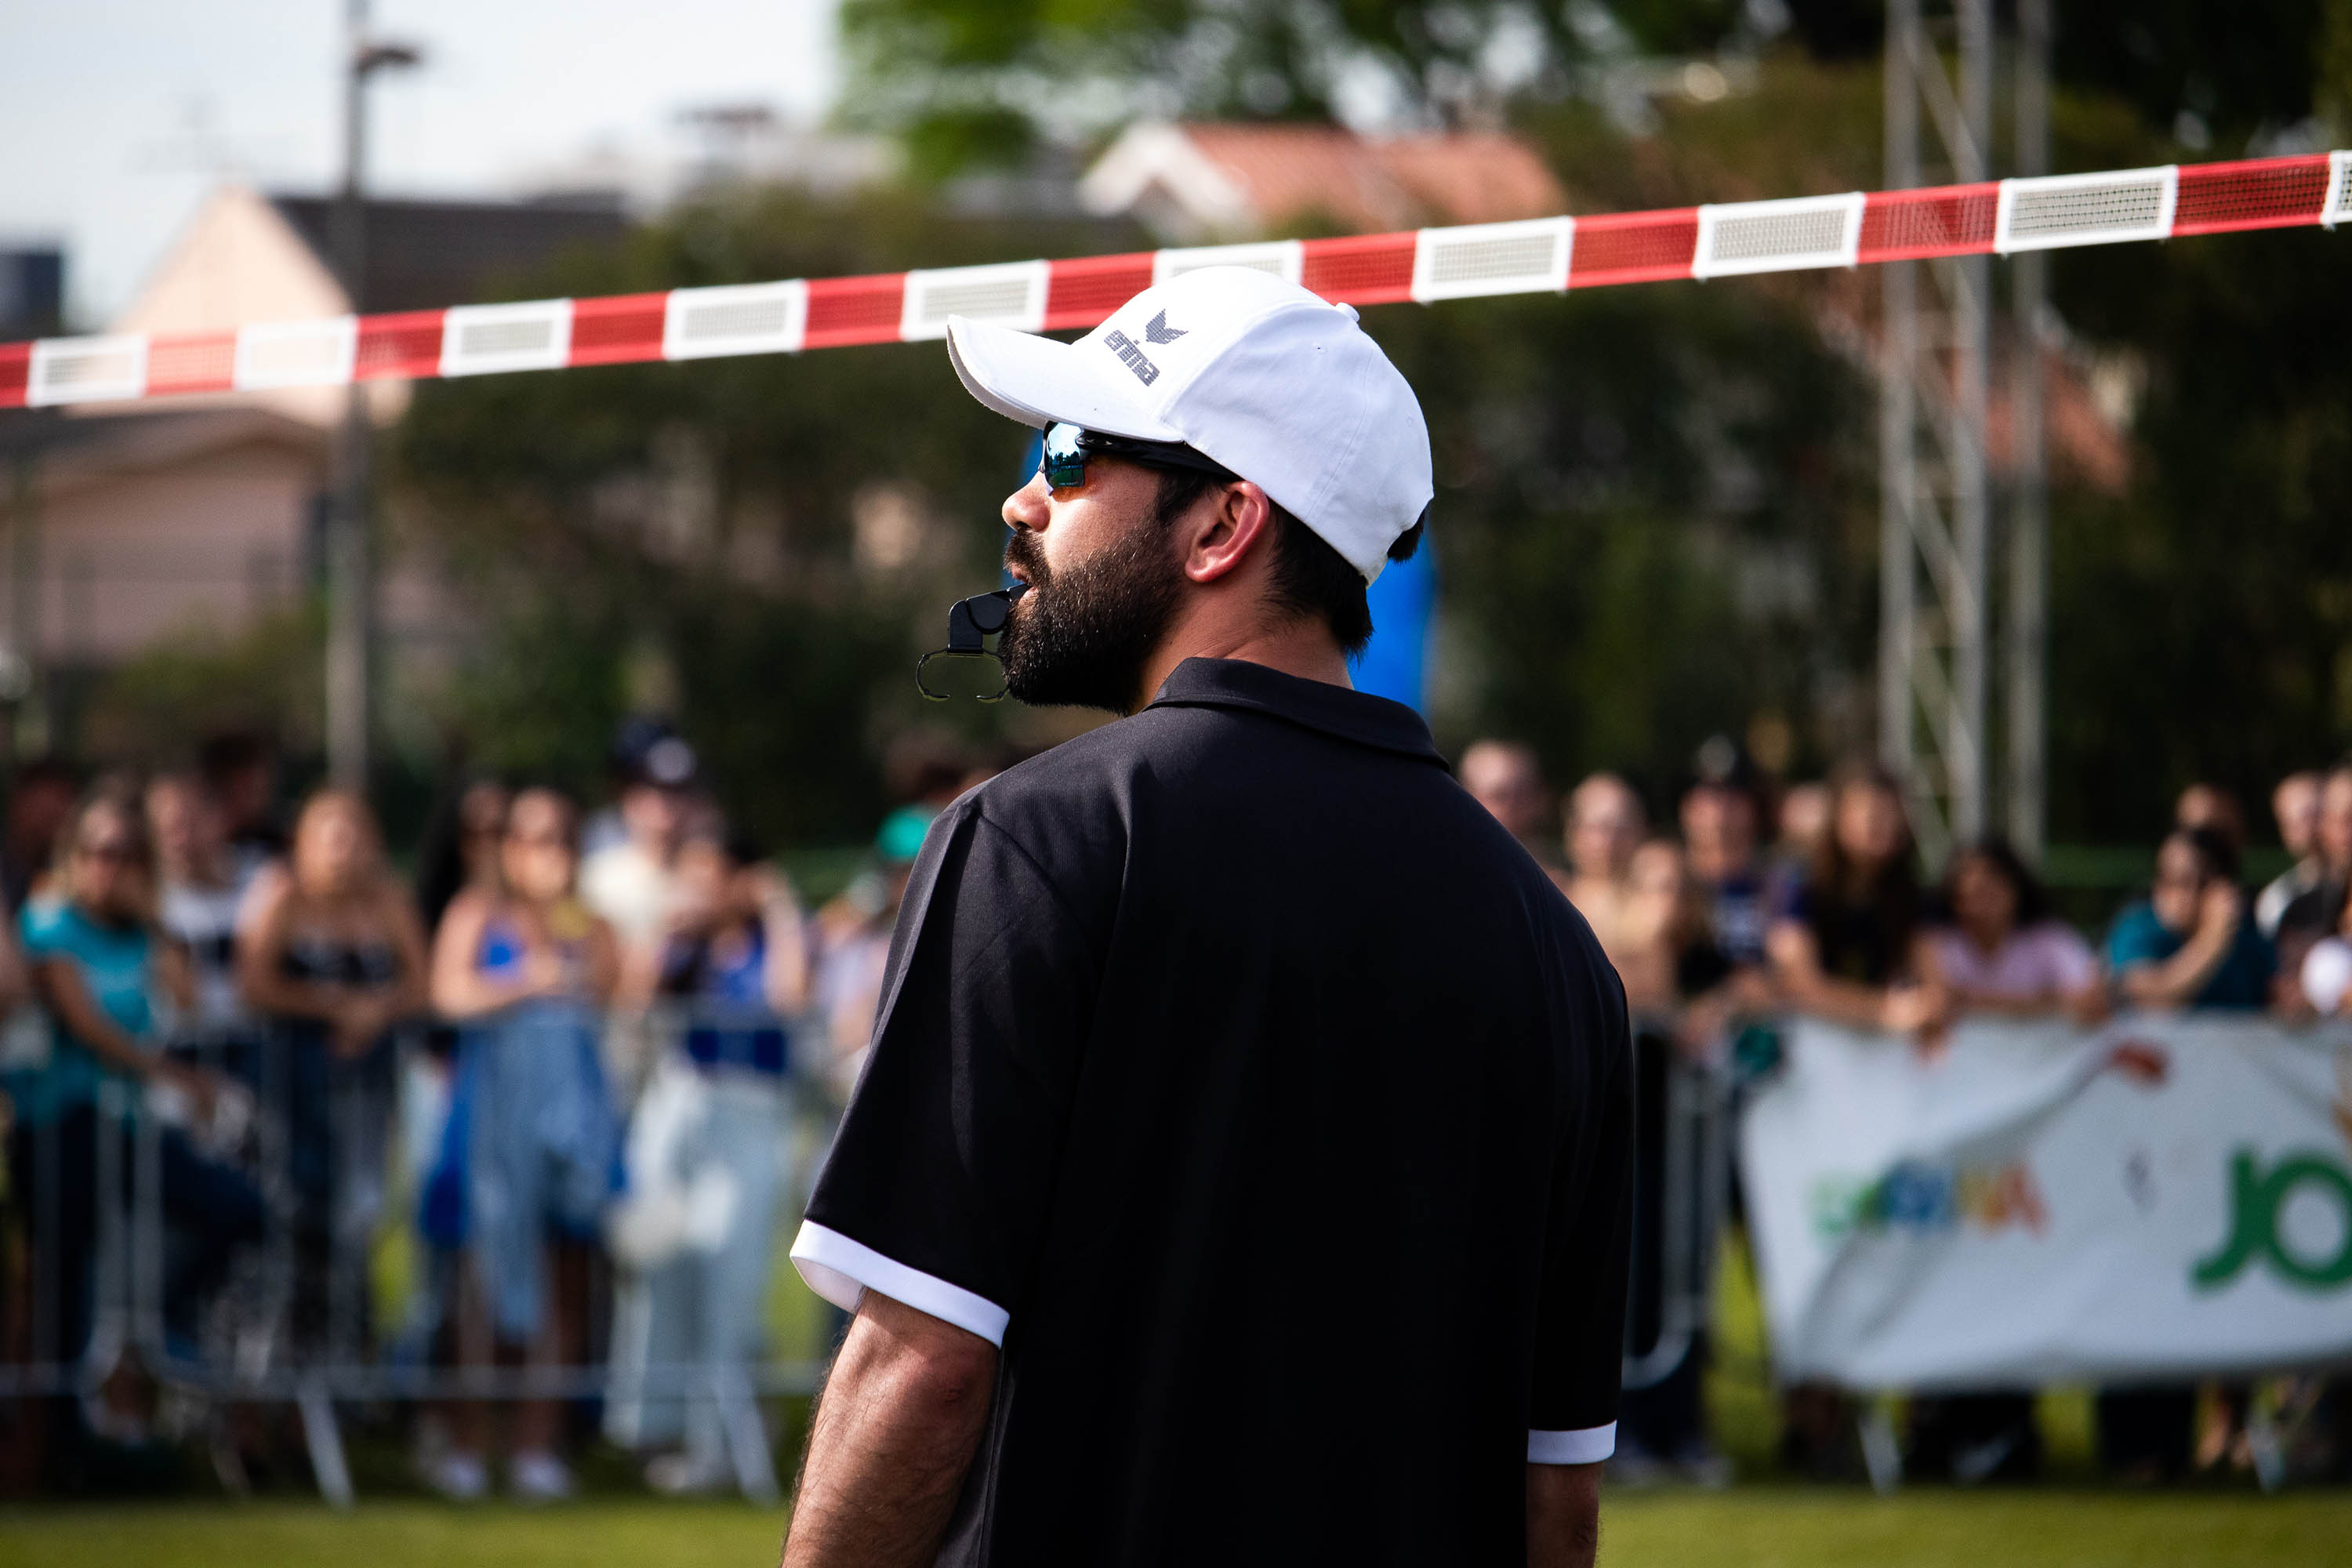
1767	1527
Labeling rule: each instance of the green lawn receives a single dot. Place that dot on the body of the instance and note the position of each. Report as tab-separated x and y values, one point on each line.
1764	1527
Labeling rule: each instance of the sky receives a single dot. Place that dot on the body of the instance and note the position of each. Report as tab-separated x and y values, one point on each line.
116	116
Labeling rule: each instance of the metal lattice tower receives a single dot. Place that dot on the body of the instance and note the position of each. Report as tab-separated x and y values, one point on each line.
1934	485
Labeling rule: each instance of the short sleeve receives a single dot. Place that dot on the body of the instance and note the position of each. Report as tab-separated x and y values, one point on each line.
2071	963
2136	937
936	1189
41	928
1581	1309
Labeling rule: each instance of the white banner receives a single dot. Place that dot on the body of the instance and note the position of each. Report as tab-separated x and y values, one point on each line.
2167	1197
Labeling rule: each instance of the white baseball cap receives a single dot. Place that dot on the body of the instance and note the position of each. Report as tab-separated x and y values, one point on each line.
1275	382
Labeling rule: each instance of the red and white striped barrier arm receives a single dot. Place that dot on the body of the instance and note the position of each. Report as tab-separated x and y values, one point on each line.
1539	256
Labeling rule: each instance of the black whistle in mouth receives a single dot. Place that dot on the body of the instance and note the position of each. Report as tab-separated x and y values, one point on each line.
969	621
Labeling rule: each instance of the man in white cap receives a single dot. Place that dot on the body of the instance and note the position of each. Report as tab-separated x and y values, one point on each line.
1239	1171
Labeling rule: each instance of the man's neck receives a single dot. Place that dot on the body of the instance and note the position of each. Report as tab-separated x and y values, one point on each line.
1303	648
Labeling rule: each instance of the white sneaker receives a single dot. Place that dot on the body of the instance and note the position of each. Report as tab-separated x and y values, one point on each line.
537	1477
459	1477
683	1475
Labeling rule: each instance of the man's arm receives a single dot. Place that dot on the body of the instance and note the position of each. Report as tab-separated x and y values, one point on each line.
895	1431
1563	1515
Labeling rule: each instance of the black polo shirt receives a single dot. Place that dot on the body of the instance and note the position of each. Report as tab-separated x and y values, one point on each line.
1267	1105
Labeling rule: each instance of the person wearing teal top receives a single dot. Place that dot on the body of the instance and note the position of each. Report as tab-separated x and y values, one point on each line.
2193	941
97	966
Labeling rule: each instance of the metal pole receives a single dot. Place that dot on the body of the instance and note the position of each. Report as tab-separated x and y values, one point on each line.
350	574
1897	633
2029	535
1972	318
32	737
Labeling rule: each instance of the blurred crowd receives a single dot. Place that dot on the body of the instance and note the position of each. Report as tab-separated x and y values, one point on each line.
580	1058
584	1058
1806	899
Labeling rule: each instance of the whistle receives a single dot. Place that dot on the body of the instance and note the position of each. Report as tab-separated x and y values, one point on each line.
969	621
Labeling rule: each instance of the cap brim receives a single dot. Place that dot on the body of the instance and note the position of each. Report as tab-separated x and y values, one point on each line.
1040	381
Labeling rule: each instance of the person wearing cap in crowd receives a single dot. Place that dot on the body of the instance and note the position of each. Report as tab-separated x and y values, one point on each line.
1148	1103
631	884
853	944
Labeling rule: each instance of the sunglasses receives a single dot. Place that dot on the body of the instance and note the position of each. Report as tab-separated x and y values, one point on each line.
1067	446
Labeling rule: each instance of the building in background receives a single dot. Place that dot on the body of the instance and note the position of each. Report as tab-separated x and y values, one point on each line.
132	525
1191	183
32	290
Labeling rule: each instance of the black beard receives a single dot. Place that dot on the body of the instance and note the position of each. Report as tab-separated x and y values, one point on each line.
1082	638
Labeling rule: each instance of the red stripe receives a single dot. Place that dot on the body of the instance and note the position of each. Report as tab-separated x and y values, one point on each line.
191	362
2259	192
16	373
845	310
1366	269
623	330
406	346
1083	291
1634	248
1936	220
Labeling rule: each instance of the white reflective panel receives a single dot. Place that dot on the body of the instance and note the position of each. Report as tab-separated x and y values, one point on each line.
1477	258
1778	236
86	369
1010	294
477	340
295	353
1283	257
2053	210
736	319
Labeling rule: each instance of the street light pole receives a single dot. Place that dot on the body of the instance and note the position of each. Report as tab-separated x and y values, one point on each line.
351	557
351	589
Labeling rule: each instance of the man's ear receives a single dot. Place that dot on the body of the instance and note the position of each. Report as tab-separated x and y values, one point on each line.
1228	524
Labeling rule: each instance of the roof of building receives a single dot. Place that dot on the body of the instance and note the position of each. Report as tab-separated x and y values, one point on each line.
421	255
1248	177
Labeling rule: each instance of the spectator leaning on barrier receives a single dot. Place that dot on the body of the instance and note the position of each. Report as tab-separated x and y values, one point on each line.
99	968
2295	804
2191	942
1604	827
1149	1091
1506	778
331	950
853	946
202	896
530	1156
2003	952
1718	821
1841	945
704	1144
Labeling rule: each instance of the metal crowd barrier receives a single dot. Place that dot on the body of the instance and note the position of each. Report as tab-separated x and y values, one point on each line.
289	1328
1682	1119
288	1322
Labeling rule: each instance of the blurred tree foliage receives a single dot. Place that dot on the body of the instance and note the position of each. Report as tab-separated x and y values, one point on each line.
1657	508
702	521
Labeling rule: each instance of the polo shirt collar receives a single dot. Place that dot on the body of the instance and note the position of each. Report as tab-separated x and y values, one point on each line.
1355	715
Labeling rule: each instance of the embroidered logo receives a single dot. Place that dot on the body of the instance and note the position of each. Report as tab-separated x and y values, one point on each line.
1132	357
1158	331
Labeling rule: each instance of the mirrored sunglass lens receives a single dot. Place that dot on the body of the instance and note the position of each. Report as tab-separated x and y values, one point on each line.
1066	465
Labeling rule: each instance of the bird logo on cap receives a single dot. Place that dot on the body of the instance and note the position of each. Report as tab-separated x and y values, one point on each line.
1158	331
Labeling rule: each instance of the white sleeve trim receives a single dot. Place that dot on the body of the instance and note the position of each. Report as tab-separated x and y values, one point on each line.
1587	1446
842	1270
